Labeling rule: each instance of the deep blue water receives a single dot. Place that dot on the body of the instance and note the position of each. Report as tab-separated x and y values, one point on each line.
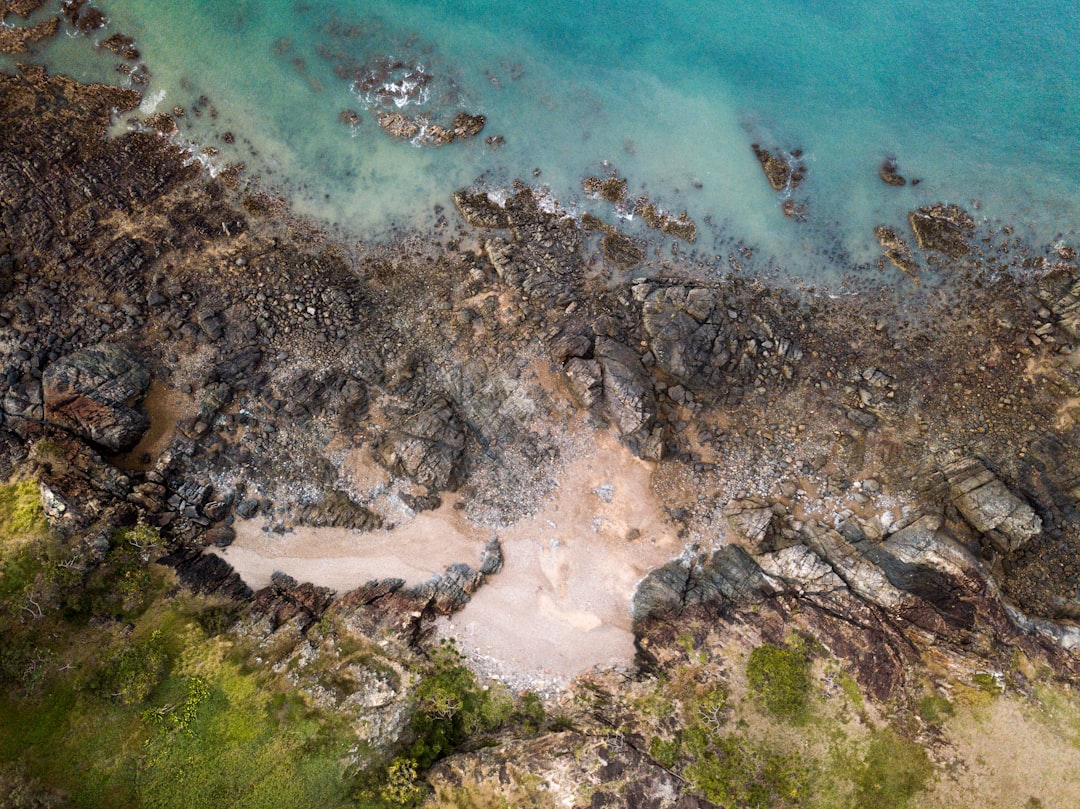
980	100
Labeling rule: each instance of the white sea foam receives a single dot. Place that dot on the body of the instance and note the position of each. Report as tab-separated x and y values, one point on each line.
151	101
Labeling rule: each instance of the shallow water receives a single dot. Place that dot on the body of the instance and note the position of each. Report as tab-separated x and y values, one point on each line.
981	100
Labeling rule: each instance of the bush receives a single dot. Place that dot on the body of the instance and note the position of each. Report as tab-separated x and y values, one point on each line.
133	673
781	678
664	753
732	771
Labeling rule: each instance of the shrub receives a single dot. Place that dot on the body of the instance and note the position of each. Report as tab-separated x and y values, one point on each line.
665	753
732	771
781	679
132	674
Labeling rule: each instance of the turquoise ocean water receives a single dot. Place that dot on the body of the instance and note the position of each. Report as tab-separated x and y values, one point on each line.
980	100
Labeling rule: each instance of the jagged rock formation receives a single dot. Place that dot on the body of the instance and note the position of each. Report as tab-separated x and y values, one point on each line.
92	392
943	228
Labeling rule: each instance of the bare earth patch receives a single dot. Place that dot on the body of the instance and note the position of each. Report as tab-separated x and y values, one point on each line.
1009	753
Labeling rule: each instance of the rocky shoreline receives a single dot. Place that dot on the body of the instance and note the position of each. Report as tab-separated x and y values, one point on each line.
890	485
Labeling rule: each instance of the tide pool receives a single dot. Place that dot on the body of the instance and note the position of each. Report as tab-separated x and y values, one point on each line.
980	101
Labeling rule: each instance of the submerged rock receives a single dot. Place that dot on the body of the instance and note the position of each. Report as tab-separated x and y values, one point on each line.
681	226
889	174
621	250
18	40
897	250
122	46
609	189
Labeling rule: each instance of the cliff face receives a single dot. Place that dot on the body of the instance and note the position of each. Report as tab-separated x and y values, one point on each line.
896	489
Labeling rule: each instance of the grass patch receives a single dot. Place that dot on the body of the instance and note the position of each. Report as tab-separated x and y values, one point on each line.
780	677
21	514
892	772
934	708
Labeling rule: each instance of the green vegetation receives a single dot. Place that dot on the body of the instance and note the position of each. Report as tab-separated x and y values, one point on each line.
780	677
934	708
116	689
452	711
892	772
21	514
731	770
987	683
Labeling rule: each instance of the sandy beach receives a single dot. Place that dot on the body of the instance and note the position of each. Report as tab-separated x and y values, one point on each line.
561	604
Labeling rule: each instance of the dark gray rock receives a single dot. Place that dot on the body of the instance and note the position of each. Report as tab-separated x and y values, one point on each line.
429	447
337	510
728	576
94	393
24	401
629	402
491	560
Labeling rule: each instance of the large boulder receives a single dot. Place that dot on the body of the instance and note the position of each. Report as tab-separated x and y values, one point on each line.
94	393
1006	522
727	576
943	228
628	399
753	523
429	447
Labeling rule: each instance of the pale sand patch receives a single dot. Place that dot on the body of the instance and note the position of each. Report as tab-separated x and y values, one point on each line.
561	604
343	560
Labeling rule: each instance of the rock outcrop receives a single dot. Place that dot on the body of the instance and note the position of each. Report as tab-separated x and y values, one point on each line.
897	251
95	392
1004	520
943	228
429	447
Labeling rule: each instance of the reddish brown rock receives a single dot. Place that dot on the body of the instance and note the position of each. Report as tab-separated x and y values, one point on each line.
943	228
18	40
93	393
